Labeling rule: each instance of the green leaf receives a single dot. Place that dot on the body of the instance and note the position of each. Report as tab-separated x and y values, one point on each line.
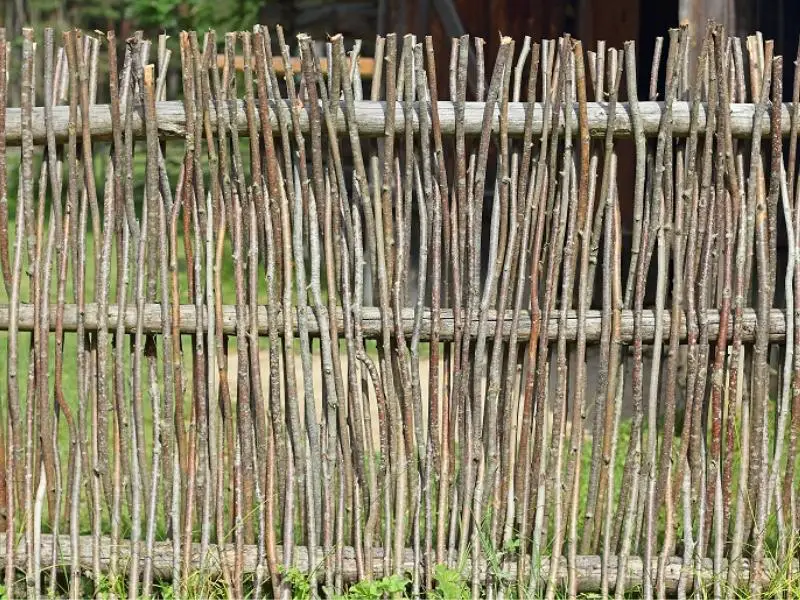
449	583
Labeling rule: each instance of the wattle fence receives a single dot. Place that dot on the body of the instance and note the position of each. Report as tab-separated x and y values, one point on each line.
295	330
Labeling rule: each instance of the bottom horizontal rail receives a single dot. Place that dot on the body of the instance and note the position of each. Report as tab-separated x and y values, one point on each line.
588	566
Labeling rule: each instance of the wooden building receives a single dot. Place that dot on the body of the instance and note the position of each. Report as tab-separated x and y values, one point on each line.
614	21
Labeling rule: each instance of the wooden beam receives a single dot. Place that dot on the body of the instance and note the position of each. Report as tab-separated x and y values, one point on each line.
588	566
695	14
371	322
371	120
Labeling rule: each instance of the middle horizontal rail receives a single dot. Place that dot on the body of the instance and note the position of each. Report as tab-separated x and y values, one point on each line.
371	120
371	322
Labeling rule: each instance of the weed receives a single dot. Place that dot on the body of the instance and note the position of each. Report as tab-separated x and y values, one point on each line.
449	584
107	586
167	592
393	586
298	582
201	585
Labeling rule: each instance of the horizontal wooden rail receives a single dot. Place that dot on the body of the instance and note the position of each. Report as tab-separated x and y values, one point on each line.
588	566
371	322
371	120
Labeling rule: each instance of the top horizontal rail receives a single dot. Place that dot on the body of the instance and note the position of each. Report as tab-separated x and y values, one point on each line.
371	120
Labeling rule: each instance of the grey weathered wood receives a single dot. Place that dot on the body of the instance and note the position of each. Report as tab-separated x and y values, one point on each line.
370	117
372	322
588	566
